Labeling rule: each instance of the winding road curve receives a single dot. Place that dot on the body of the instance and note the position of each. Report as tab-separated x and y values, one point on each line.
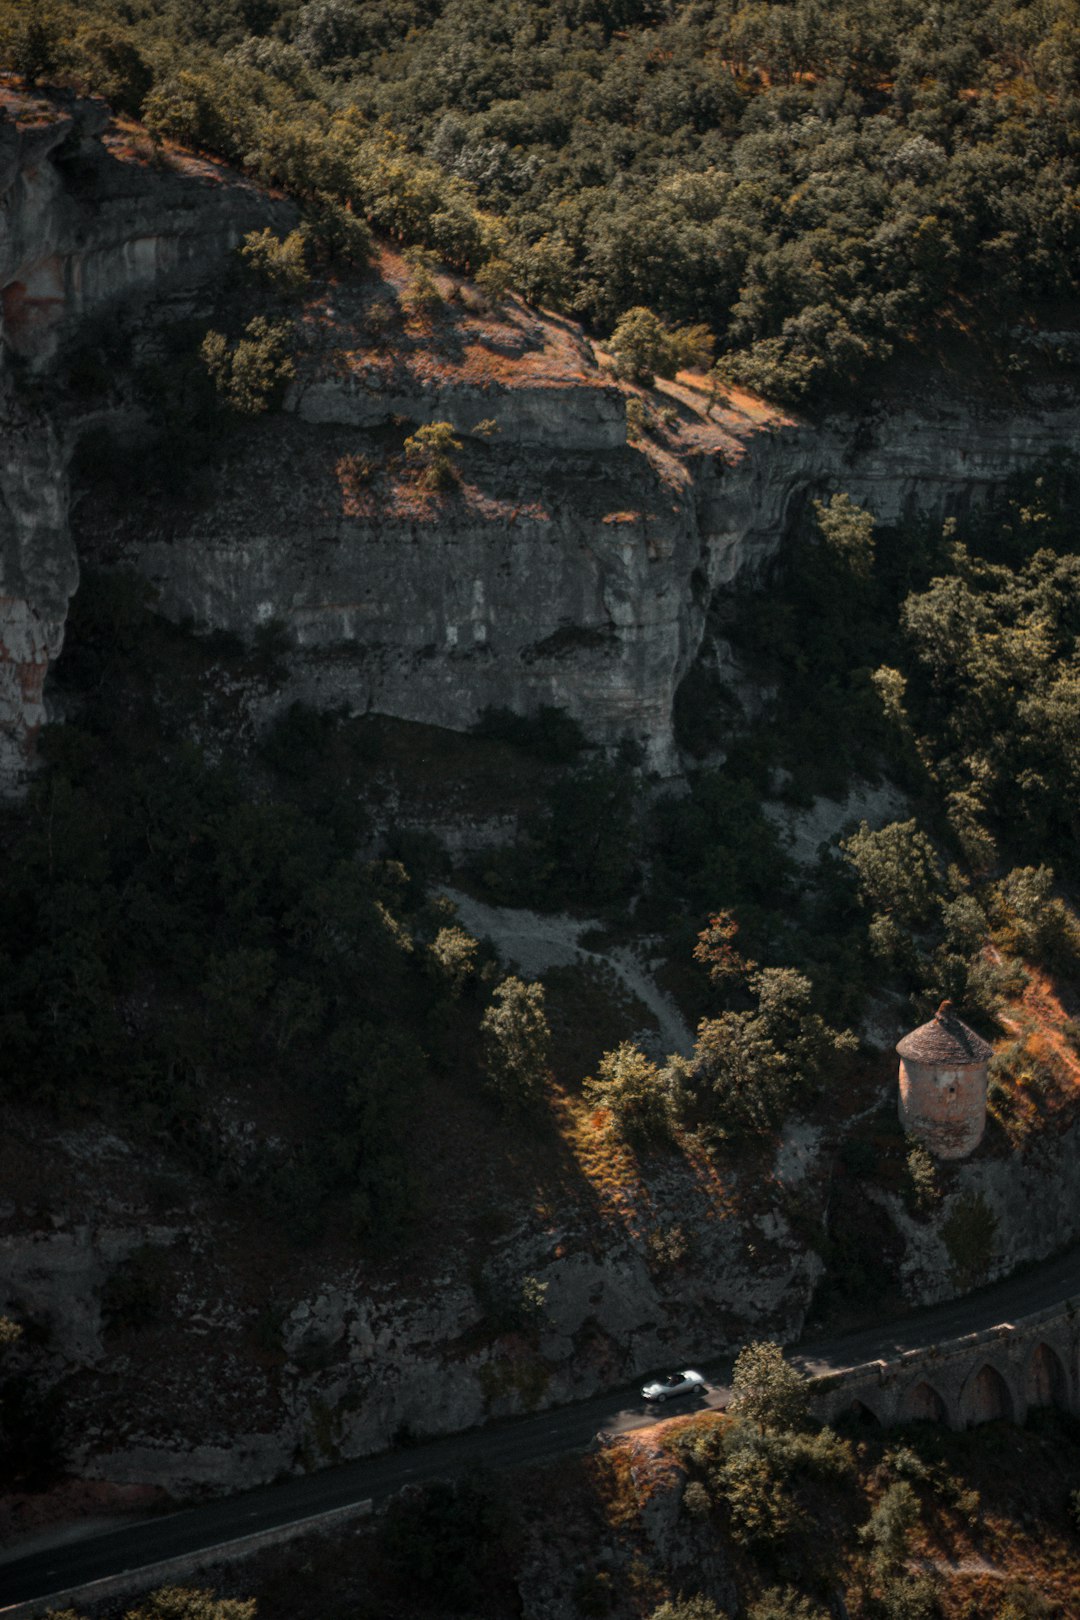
61	1570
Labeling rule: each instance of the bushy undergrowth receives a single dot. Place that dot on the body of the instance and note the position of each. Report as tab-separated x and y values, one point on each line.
180	919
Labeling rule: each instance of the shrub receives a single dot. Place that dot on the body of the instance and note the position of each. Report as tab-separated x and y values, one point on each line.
380	317
454	953
191	1603
688	1608
748	1067
335	234
761	1511
278	261
909	1597
847	531
668	1246
420	297
784	1604
968	1235
641	346
696	1500
921	1188
250	373
637	419
637	1092
355	471
495	278
429	450
888	1530
766	1389
516	1043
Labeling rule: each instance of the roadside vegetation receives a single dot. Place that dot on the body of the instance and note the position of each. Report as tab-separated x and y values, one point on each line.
761	1513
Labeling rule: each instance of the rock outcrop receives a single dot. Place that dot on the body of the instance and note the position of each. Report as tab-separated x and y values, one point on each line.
91	225
565	566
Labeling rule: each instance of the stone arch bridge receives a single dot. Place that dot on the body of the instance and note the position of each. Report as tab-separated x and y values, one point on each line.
1001	1372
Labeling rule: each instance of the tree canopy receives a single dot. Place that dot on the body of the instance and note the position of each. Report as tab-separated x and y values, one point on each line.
820	187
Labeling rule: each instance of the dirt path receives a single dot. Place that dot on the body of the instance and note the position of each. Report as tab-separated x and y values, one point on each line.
532	943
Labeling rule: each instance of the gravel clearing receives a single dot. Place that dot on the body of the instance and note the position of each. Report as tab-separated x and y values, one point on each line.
532	943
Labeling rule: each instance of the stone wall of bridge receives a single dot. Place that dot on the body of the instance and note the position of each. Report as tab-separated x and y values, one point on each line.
1003	1372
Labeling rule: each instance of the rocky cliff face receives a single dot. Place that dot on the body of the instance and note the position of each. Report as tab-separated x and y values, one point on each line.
566	567
91	226
241	1357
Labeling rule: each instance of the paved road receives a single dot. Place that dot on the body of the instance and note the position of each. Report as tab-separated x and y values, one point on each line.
499	1445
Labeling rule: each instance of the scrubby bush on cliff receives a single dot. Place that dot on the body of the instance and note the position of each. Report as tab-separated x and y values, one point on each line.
643	347
421	296
688	1608
430	451
251	372
191	1603
278	261
784	1603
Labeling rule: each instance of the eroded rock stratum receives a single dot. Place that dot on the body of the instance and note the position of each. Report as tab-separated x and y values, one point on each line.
568	566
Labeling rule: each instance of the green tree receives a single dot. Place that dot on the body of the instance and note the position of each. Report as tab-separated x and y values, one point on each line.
641	347
689	1608
516	1043
898	871
750	1066
251	372
429	450
888	1530
784	1603
761	1510
191	1603
847	531
637	1092
278	261
421	297
767	1389
454	953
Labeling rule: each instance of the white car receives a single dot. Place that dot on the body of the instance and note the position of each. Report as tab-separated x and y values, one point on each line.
677	1383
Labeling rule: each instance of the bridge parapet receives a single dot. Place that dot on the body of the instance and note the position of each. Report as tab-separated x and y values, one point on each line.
999	1372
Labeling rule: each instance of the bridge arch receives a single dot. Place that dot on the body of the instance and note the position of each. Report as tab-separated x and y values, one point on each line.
986	1397
1047	1383
858	1414
923	1404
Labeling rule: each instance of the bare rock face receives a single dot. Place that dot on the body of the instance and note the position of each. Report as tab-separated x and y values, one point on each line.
569	573
565	565
38	573
87	225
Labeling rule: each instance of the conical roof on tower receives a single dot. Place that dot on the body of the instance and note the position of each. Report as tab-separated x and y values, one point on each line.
945	1040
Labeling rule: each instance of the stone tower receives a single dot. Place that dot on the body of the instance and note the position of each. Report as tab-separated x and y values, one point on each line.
943	1084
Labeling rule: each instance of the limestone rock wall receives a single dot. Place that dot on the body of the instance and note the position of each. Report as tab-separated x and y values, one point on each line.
87	226
999	1213
250	1363
570	567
